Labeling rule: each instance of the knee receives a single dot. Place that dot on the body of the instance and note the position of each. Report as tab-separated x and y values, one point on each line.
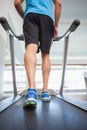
29	58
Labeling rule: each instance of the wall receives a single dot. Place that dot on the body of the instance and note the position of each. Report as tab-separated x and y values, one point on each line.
70	10
2	55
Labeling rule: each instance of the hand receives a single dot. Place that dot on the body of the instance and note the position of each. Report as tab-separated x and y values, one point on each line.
55	32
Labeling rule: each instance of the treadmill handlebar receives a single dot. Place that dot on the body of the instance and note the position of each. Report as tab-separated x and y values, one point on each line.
4	23
71	29
74	25
6	26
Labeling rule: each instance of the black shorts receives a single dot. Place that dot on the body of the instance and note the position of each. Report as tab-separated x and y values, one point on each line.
38	29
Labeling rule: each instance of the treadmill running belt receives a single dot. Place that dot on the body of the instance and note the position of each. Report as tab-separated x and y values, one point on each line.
56	115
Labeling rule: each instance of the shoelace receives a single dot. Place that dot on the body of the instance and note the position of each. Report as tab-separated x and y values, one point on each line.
45	94
31	94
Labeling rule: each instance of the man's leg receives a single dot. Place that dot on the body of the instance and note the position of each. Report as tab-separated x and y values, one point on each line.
30	66
30	63
46	67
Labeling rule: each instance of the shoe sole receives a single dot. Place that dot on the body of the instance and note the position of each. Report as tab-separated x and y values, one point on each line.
46	100
30	105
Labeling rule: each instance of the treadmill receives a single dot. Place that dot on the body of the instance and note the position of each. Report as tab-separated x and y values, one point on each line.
62	113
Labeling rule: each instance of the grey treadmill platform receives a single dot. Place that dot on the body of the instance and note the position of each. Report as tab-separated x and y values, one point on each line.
56	115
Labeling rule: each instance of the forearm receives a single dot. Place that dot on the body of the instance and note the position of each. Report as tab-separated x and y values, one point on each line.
19	7
58	6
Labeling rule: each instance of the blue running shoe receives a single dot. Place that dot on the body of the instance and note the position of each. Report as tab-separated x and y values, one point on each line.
30	99
46	97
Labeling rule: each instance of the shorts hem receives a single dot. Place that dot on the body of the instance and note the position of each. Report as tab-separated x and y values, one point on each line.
26	44
45	50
